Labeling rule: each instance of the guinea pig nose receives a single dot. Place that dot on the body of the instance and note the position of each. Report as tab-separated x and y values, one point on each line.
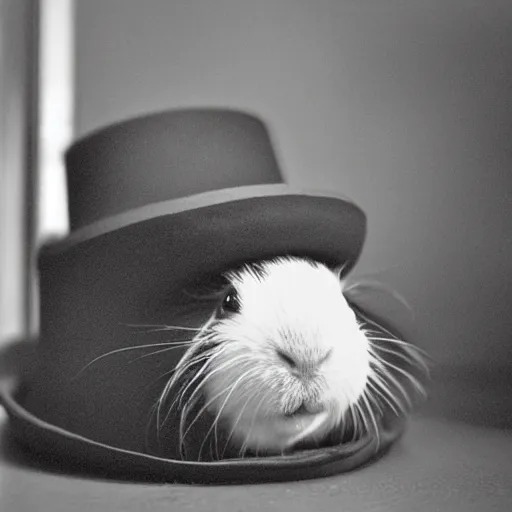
303	366
287	359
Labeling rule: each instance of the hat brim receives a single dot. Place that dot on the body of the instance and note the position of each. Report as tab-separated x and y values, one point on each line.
76	452
239	224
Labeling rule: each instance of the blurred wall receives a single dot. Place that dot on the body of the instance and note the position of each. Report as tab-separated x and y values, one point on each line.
406	107
18	115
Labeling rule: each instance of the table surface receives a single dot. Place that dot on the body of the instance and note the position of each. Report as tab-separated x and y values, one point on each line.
439	465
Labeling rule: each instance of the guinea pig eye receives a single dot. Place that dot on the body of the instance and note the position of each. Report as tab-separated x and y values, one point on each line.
231	303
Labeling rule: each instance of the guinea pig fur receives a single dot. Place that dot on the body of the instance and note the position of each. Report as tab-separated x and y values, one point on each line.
284	361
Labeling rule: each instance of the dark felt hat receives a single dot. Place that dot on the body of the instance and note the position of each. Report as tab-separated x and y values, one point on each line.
158	205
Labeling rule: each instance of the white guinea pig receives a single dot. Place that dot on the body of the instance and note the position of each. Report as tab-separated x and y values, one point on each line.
285	360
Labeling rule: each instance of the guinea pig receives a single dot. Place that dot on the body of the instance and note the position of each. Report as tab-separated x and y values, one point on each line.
286	360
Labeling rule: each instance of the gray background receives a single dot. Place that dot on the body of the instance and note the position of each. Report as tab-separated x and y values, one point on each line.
404	106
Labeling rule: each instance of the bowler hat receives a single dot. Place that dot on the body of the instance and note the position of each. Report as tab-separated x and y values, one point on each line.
158	206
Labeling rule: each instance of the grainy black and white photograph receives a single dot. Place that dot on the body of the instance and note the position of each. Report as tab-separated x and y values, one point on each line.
256	255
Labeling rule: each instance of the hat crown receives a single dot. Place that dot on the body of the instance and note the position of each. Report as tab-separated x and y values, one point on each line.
166	156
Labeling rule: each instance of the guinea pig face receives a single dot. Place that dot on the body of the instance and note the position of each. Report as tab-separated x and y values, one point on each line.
292	358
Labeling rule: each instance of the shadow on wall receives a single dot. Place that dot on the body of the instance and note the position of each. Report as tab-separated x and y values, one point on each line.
404	107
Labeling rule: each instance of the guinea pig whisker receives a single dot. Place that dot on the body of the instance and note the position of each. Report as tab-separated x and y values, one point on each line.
183	391
156	404
217	353
386	392
391	378
183	416
359	421
364	416
414	350
378	336
180	372
175	369
235	424
196	393
180	396
382	362
224	366
348	417
242	378
372	417
407	353
364	422
161	399
416	383
220	368
161	351
355	422
343	423
127	349
378	394
415	361
201	411
162	327
374	400
204	358
231	388
370	321
152	410
243	447
192	359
